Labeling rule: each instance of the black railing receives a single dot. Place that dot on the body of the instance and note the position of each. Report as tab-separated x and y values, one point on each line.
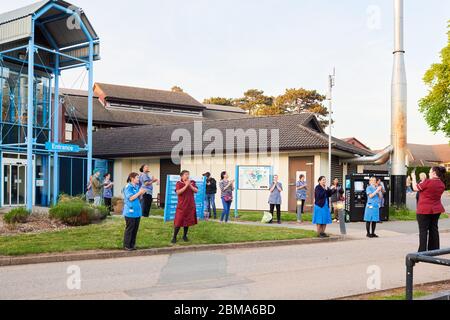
431	257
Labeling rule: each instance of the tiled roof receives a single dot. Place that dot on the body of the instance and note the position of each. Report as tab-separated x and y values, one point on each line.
77	100
126	93
427	155
119	117
293	135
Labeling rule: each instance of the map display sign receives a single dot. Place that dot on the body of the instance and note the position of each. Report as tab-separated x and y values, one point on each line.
172	197
254	177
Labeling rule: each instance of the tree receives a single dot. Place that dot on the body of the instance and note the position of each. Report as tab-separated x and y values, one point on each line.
436	105
254	101
219	101
177	89
302	100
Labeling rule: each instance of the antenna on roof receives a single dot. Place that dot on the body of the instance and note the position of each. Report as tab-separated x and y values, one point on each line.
331	85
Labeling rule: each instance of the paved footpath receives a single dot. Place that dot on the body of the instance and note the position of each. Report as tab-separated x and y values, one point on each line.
318	271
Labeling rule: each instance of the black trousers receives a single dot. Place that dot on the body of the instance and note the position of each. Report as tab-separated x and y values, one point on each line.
428	232
131	230
272	209
146	204
108	203
303	206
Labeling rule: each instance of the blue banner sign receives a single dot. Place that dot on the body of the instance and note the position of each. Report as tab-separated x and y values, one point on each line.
60	147
102	166
172	197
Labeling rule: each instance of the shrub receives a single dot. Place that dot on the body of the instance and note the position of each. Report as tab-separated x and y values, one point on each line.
18	215
98	213
73	213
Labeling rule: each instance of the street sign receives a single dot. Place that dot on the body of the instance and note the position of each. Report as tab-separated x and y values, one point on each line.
60	147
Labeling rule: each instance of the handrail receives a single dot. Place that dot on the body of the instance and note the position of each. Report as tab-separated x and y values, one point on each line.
431	257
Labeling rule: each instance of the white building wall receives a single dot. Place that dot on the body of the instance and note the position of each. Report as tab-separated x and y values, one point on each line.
123	167
247	200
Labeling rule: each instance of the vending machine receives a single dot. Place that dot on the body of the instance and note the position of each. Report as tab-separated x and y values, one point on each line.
356	197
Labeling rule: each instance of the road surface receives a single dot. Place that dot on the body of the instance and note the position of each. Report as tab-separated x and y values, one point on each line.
318	271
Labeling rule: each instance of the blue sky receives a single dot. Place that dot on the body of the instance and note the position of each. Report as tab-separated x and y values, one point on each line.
222	48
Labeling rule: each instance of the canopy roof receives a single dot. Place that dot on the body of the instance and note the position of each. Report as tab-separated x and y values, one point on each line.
60	26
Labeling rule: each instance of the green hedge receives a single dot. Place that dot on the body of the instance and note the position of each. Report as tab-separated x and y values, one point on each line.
18	215
74	211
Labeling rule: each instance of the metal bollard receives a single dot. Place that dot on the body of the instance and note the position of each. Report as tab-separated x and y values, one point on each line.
342	222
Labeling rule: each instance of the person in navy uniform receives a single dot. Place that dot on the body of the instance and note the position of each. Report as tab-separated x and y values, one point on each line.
132	211
372	213
322	213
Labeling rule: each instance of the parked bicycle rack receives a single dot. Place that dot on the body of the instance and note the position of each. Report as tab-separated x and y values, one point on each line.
431	257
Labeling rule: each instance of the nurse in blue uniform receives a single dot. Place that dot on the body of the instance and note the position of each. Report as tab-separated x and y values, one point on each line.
372	213
132	211
322	213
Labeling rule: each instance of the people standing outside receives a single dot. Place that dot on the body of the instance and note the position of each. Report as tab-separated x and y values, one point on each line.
96	188
186	214
301	196
430	208
210	199
322	216
226	188
275	198
409	188
336	197
146	181
382	192
372	212
422	176
132	211
107	191
89	192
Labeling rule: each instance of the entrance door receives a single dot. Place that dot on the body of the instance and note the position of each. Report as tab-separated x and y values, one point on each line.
166	168
305	166
14	185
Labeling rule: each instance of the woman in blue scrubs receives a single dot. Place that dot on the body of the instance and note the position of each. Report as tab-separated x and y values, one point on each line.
322	213
372	213
132	211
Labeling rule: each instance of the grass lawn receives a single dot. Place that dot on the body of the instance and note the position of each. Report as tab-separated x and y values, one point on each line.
406	215
153	233
256	216
399	297
251	216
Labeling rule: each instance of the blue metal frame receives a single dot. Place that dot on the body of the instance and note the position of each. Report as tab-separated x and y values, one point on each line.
88	62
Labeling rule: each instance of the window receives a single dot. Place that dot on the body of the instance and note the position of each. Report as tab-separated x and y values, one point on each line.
69	132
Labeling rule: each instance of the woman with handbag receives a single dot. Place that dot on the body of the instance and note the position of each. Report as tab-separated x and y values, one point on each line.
226	188
336	197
